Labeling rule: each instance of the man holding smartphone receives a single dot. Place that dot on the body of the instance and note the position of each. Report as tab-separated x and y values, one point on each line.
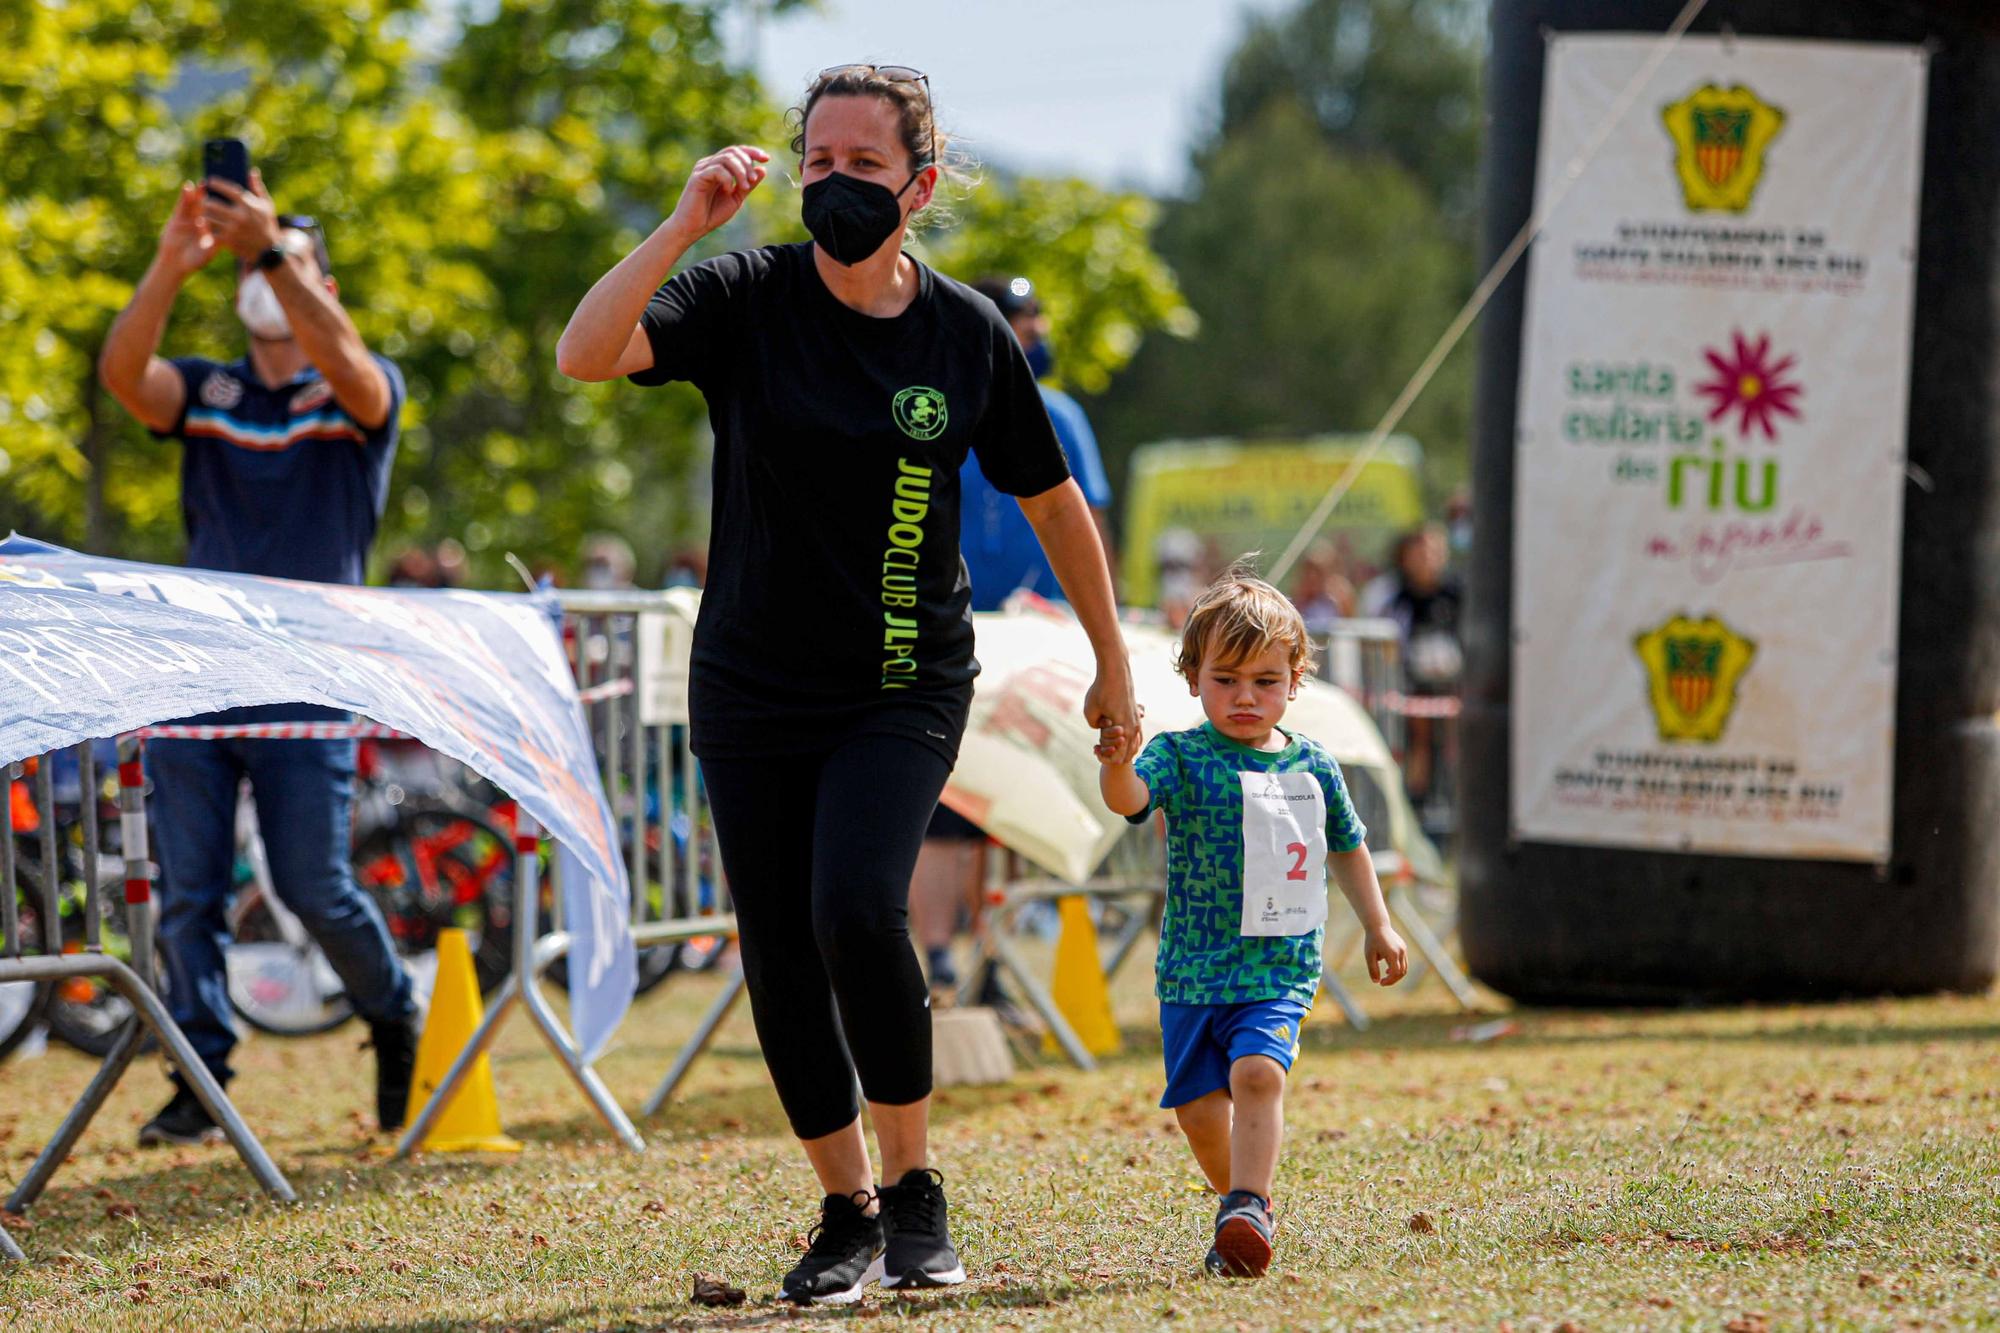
284	472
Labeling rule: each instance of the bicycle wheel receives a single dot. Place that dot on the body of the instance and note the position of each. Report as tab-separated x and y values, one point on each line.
21	1004
88	1012
84	1012
285	989
437	868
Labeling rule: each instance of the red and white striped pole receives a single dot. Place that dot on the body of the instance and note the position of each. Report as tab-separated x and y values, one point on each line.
139	918
527	893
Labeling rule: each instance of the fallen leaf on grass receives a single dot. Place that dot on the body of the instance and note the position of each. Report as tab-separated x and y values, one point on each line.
1750	1321
1423	1224
1569	1326
1660	1302
139	1293
215	1281
1868	1280
653	1206
714	1291
120	1208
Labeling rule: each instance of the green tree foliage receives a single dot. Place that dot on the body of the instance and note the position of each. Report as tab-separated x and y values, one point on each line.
1325	243
1085	250
1395	79
469	201
467	208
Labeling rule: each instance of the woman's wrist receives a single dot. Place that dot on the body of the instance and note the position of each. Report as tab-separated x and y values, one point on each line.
1112	659
677	235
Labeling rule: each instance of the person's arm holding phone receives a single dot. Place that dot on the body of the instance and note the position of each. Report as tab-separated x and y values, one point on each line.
246	221
144	384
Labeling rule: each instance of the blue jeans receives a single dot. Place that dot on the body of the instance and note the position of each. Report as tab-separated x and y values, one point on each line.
304	792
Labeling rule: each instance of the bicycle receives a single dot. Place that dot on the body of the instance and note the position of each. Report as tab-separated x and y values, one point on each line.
84	1012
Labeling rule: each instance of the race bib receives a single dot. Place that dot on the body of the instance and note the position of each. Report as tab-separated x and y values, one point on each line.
1284	854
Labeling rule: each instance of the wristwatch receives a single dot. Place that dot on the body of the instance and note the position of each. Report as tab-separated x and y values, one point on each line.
272	257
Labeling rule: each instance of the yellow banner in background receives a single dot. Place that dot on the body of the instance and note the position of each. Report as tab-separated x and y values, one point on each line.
1255	496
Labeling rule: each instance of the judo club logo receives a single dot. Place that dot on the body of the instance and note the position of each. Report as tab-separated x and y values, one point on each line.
1693	668
1719	140
921	412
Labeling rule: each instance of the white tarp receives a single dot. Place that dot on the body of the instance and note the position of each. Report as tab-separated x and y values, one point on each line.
1710	448
91	647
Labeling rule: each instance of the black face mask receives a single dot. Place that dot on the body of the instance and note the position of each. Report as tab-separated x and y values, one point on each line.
851	219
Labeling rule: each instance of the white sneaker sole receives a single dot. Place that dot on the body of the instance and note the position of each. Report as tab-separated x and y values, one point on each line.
950	1277
852	1294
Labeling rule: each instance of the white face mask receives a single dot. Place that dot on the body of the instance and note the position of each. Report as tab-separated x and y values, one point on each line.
257	306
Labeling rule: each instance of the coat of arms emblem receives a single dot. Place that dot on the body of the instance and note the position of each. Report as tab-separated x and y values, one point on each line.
1719	140
1693	668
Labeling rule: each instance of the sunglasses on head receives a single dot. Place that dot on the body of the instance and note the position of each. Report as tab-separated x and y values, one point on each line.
895	74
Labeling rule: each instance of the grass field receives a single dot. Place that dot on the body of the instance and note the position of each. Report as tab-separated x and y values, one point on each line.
1827	1167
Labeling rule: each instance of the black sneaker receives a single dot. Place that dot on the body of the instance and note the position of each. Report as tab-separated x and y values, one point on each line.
395	1046
920	1252
1244	1225
182	1122
843	1254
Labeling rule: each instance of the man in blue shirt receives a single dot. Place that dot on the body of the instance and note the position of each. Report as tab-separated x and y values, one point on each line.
284	471
1001	553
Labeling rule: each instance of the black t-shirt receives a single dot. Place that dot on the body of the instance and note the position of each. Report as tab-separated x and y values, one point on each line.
1432	656
836	597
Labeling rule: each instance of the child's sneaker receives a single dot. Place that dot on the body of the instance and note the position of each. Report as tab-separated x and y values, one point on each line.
1243	1228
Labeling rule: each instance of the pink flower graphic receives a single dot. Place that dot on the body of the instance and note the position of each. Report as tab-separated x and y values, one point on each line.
1747	381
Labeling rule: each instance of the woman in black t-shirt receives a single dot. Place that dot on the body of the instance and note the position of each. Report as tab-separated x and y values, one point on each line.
832	663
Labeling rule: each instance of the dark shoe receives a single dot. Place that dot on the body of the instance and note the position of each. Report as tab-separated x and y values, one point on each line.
913	1215
843	1255
182	1122
395	1046
1243	1229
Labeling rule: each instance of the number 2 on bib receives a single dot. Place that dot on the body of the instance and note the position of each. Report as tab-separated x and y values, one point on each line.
1284	854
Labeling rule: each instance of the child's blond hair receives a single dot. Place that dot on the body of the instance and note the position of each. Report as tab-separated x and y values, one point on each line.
1239	616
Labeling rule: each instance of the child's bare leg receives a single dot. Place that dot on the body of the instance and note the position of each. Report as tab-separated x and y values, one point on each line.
1257	1083
1205	1121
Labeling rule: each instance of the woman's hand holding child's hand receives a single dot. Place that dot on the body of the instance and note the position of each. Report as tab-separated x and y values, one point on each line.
1112	747
1388	958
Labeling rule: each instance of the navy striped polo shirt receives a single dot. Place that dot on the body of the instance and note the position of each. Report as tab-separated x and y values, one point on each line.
280	481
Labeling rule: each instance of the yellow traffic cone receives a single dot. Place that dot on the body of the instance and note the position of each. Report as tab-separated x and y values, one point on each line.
470	1121
1079	989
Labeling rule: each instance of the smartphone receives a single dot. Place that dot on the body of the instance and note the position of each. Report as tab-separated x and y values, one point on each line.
225	159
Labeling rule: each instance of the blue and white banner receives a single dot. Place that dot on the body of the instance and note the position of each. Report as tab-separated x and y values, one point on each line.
91	647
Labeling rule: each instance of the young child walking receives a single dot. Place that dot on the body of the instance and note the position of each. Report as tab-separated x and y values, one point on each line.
1255	814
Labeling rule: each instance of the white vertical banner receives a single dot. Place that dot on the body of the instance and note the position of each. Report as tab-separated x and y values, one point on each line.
1710	452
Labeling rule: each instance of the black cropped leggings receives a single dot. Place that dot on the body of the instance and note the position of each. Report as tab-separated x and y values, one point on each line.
819	851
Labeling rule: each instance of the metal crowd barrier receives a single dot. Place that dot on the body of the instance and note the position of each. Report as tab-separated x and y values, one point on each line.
135	981
1365	658
619	650
1132	881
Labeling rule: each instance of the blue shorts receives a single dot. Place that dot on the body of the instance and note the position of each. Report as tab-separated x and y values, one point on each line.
1203	1040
